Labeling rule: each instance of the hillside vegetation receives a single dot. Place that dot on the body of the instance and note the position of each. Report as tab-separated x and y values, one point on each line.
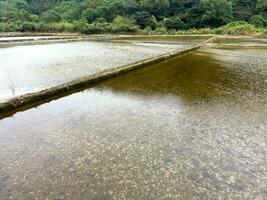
146	16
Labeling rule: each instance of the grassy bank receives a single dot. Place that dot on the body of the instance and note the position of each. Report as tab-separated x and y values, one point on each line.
74	27
235	28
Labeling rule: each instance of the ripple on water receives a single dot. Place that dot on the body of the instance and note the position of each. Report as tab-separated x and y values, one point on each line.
188	128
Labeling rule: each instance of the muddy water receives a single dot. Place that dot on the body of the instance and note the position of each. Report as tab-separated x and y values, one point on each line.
242	42
25	69
193	127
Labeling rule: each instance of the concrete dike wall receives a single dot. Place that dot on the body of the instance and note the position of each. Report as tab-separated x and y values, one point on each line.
65	88
40	41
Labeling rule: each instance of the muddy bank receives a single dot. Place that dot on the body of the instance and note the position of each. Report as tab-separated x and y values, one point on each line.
41	40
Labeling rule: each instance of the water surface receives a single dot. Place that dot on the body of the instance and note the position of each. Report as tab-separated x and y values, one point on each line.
26	69
193	127
242	42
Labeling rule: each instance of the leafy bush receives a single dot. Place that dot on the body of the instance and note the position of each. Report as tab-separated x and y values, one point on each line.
161	30
124	24
146	31
51	16
216	12
258	21
27	27
89	15
237	28
174	23
96	28
144	19
7	27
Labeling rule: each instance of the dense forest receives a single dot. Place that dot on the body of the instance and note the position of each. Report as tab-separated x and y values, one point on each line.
128	15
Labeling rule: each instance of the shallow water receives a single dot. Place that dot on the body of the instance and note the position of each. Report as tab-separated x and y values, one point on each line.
193	127
26	69
242	42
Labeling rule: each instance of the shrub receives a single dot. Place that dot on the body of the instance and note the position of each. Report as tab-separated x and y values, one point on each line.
97	28
258	21
51	16
100	20
7	27
174	23
237	28
161	30
144	19
124	24
147	31
89	15
27	27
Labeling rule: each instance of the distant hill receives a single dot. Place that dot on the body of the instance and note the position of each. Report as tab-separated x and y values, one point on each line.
171	14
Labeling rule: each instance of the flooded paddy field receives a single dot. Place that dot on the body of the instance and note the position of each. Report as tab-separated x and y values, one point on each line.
192	127
26	69
241	42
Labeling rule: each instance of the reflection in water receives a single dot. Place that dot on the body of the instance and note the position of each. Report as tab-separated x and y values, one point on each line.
54	64
242	42
190	128
194	77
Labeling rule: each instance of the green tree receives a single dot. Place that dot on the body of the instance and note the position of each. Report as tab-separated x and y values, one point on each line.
144	19
41	6
174	23
51	16
154	14
158	8
257	20
113	8
23	15
124	24
244	9
10	10
70	10
216	12
89	15
262	7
